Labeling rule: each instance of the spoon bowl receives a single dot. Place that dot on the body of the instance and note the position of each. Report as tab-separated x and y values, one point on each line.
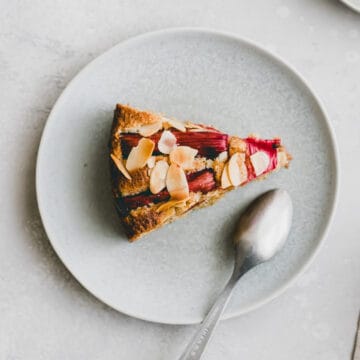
263	228
260	233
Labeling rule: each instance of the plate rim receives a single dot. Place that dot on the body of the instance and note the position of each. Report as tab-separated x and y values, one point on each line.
351	6
231	36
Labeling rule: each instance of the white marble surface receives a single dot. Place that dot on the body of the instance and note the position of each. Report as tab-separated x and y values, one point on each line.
44	312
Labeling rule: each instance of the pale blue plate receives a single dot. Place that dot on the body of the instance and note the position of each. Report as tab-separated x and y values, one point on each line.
173	275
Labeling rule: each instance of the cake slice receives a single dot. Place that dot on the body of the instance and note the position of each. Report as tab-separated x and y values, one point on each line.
162	168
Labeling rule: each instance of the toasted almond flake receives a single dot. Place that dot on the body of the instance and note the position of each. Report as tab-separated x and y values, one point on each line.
202	130
223	156
176	183
191	125
176	124
199	128
237	145
167	142
169	204
148	130
183	156
140	154
131	130
234	170
151	162
260	161
225	181
209	163
119	164
199	163
243	168
282	159
158	176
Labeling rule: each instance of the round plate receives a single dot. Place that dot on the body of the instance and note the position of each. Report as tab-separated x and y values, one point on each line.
174	274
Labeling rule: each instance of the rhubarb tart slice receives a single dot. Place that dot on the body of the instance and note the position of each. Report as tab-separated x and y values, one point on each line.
161	168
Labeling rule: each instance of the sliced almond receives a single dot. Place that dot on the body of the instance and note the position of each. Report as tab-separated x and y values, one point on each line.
237	145
151	162
225	181
191	125
209	163
158	176
176	124
148	130
169	204
167	142
199	163
243	168
223	156
176	183
119	164
254	135
234	170
201	130
282	159
140	154
260	161
183	156
131	130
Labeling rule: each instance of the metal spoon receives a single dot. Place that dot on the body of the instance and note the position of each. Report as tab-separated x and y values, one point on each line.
260	234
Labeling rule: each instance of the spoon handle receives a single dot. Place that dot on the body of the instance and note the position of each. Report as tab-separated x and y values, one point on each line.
203	334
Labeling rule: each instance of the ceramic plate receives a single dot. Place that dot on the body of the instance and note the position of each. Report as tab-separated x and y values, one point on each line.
174	274
353	4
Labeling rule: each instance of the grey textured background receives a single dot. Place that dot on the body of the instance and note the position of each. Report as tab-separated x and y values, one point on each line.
44	313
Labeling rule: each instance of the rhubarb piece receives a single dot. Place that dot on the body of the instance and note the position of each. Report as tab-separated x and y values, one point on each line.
202	181
162	168
135	201
208	144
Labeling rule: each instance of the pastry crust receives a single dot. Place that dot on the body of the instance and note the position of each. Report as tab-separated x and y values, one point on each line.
146	219
126	117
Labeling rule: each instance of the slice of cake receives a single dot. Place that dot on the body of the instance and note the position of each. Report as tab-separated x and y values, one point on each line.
162	168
